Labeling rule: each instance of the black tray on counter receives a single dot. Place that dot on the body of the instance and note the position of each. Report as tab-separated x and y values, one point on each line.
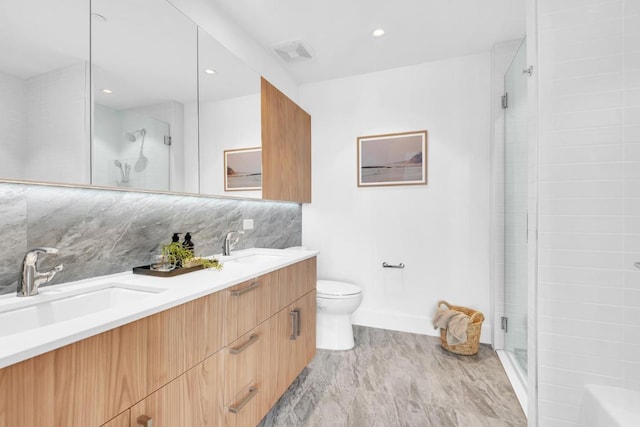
146	270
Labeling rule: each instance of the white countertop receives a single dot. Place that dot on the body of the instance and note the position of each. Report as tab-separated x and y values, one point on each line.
174	291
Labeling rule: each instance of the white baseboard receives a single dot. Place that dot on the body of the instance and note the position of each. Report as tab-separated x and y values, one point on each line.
406	323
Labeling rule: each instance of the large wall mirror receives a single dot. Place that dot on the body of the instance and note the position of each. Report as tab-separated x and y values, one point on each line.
144	61
44	91
153	103
229	122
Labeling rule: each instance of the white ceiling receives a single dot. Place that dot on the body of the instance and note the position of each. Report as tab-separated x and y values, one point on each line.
339	31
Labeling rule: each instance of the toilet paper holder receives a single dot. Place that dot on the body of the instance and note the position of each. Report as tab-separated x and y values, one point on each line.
387	265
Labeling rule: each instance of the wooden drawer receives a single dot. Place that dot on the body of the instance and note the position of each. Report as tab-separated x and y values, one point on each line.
192	399
249	304
295	281
241	363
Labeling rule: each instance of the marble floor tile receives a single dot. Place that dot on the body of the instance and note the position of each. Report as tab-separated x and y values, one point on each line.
398	379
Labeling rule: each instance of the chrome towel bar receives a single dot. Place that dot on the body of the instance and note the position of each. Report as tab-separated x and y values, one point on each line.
387	265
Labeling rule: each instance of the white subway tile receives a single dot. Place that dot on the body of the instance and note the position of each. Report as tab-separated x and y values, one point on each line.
559	411
581	189
632	116
632	224
581	224
630	279
578	241
588	171
632	316
586	67
605	29
588	84
583	50
582	311
545	421
551	6
584	102
631	135
632	97
604	206
578	362
581	329
632	299
588	119
631	24
576	258
556	393
583	137
632	186
632	243
581	276
568	18
631	80
632	61
574	379
552	154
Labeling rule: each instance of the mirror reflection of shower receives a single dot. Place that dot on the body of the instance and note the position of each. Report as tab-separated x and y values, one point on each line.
131	136
141	163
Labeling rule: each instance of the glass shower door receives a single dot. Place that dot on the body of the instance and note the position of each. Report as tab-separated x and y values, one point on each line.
515	214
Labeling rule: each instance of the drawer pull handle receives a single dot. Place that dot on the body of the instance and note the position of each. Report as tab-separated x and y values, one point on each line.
239	349
234	409
238	292
297	311
145	421
292	317
295	323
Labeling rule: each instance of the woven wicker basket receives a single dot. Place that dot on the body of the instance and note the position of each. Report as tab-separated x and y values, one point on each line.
473	331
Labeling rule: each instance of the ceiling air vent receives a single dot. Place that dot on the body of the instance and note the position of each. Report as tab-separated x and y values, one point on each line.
293	52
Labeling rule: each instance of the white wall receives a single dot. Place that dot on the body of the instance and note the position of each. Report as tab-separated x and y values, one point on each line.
589	201
12	126
225	125
441	230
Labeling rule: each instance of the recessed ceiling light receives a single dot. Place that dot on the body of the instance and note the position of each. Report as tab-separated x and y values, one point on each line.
210	71
378	32
107	91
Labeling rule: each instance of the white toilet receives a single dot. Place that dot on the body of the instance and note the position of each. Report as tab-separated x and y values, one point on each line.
336	302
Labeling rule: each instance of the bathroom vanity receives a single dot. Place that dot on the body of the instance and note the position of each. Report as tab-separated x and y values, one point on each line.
203	349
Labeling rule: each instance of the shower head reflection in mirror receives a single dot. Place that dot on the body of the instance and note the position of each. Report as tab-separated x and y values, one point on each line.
131	136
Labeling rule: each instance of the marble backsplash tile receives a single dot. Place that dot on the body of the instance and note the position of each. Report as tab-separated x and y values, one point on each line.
102	232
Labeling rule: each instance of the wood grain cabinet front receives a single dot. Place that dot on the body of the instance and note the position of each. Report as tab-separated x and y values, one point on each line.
192	399
223	359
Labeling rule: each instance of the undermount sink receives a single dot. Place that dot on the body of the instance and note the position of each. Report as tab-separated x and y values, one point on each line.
256	259
56	306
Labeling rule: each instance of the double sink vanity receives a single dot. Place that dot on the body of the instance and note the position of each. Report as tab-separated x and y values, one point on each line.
208	348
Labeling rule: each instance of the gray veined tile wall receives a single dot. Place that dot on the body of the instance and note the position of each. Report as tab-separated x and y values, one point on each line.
103	232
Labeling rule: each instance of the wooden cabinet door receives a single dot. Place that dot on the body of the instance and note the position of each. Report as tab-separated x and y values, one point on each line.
181	337
286	147
193	399
85	383
122	420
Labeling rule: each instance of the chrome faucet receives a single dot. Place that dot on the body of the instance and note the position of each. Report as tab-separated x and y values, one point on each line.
31	278
229	243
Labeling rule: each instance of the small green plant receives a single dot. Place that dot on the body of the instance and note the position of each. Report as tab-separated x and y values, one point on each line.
175	253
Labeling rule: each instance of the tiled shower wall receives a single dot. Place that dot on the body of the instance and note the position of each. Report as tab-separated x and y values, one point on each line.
589	201
102	232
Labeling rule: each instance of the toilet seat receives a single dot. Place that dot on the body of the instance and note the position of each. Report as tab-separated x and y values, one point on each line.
332	289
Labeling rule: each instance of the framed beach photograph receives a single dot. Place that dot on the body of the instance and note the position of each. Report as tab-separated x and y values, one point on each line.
243	169
393	159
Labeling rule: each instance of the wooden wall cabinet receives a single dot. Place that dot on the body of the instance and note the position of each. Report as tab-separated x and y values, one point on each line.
286	147
191	365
